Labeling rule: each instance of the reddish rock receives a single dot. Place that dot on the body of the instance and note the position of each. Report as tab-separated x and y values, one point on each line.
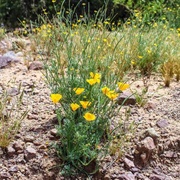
157	177
29	138
10	151
148	144
127	176
36	65
162	123
128	163
126	98
18	145
30	153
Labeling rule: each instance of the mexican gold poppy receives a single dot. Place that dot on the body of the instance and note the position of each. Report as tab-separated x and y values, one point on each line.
85	104
123	86
78	90
91	81
105	90
89	117
56	98
74	106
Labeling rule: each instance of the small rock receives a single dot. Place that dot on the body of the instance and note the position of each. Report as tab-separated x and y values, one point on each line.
37	142
127	176
32	116
157	177
126	98
170	154
107	177
128	163
13	91
4	175
10	151
36	65
134	170
149	105
20	158
30	153
42	146
162	123
29	138
13	169
18	146
152	133
53	132
148	144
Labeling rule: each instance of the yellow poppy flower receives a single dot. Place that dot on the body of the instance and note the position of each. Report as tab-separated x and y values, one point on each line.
56	98
105	90
112	95
78	90
91	81
95	76
85	104
123	86
74	106
89	117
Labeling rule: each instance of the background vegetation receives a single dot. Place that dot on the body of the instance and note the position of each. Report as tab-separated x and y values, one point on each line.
13	12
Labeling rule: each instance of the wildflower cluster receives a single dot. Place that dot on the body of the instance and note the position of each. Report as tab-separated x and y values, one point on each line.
86	118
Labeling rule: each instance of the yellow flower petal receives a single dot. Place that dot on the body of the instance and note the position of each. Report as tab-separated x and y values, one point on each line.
105	90
56	98
78	90
112	95
91	81
123	86
85	104
89	117
74	106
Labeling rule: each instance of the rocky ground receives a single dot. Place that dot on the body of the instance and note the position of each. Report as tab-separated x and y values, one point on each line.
154	148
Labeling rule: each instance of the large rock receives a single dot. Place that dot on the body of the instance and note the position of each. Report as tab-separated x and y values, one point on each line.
126	98
7	59
144	151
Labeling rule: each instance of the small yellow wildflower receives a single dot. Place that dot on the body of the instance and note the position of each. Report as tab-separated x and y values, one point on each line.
89	116
112	95
56	98
140	57
91	81
78	90
149	51
53	1
95	76
104	40
105	90
123	86
133	62
85	104
74	106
